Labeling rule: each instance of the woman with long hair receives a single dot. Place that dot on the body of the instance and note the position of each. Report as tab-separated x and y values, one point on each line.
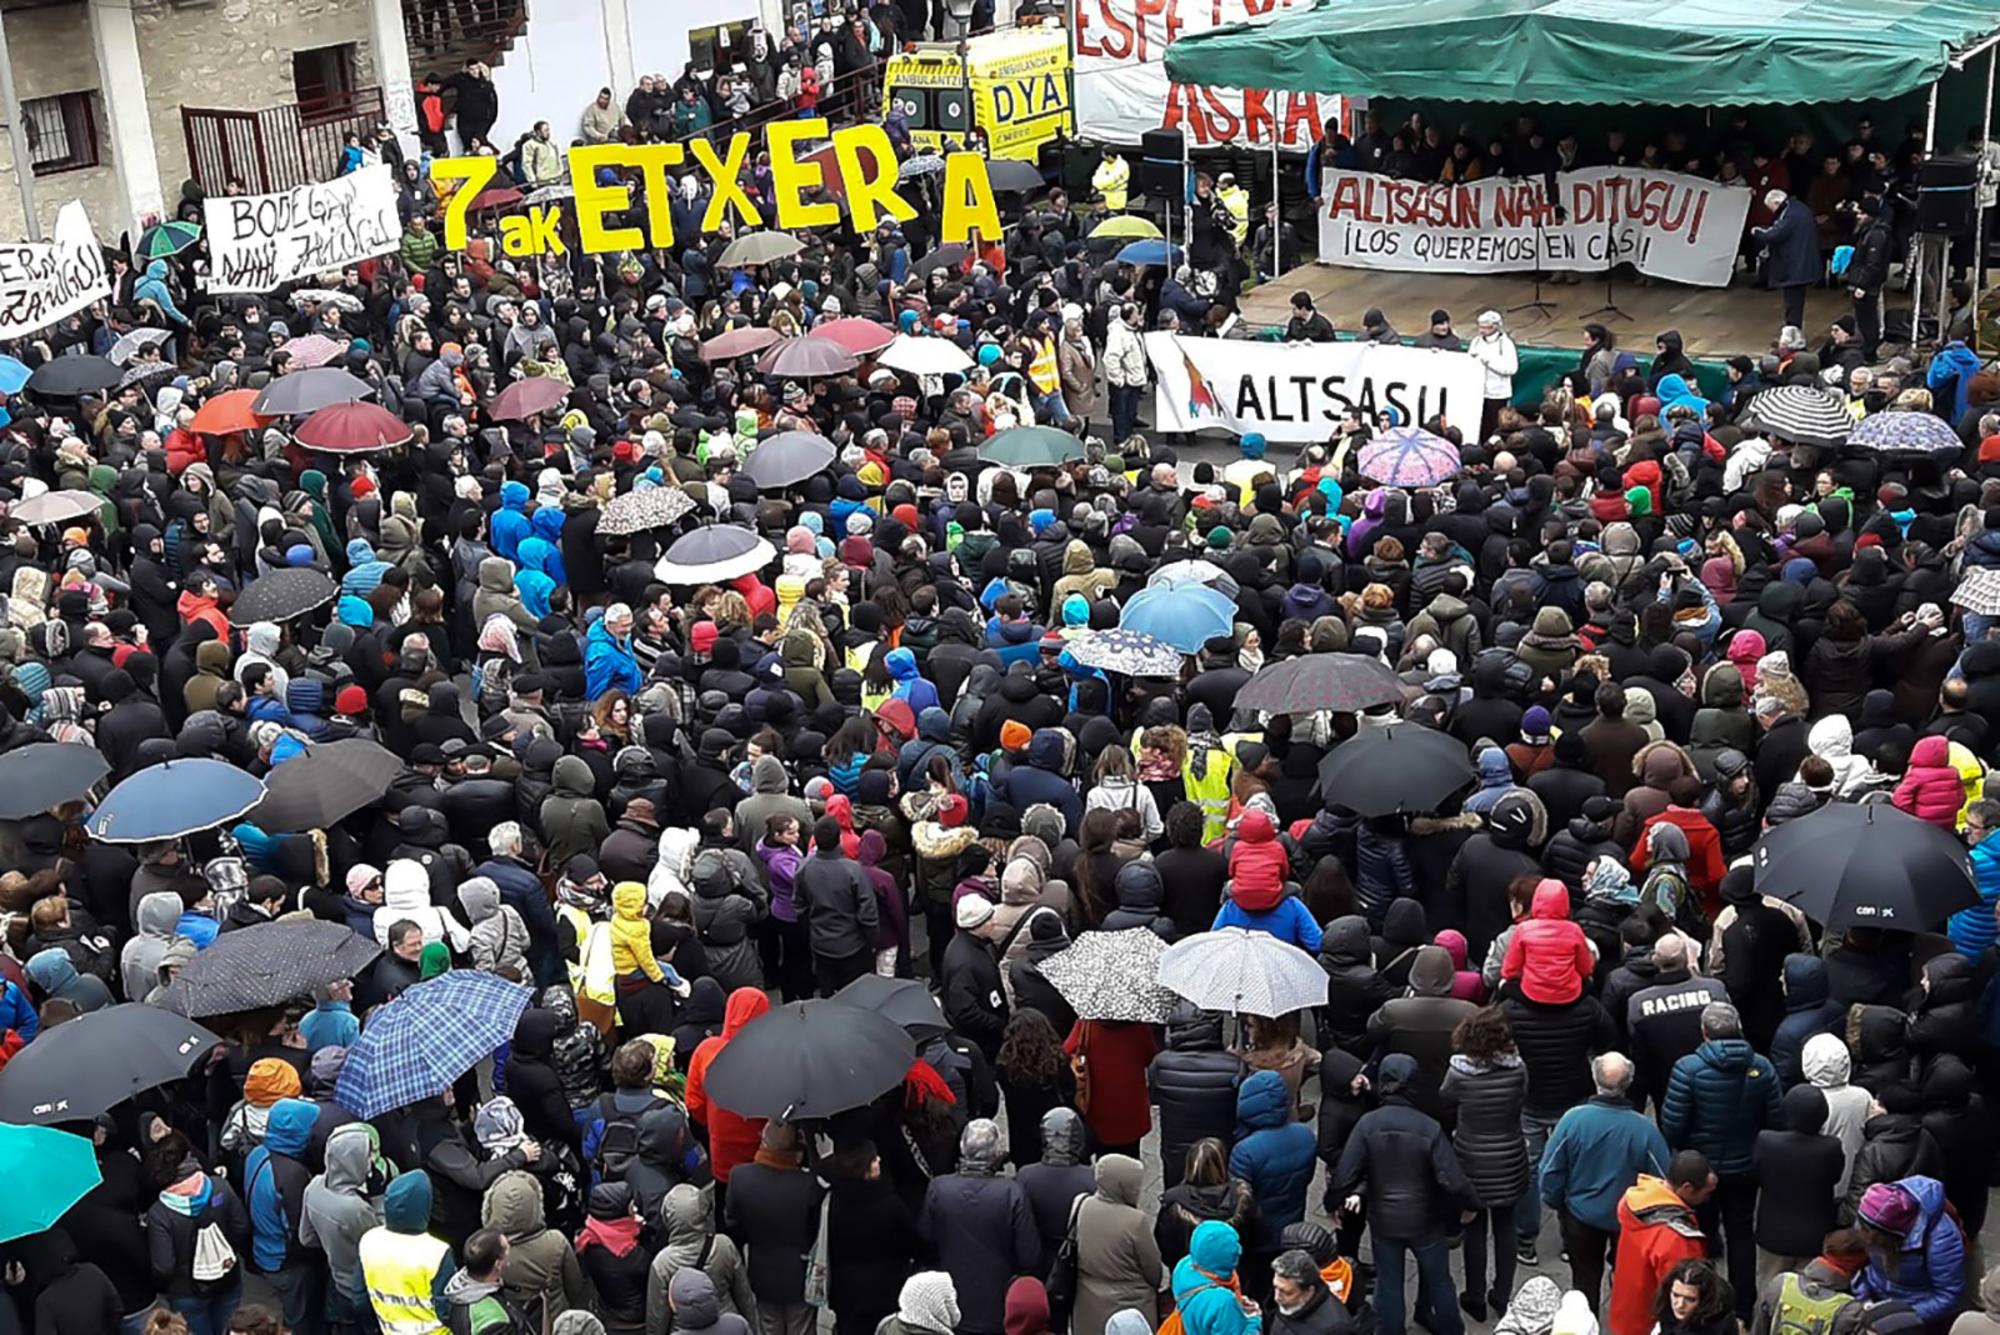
1096	868
1034	1077
1206	1191
1695	1300
1115	786
1487	1083
848	752
613	712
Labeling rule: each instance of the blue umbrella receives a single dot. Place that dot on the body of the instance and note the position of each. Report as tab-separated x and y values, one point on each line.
1183	615
1150	252
1903	432
51	1171
413	1048
1409	456
13	375
173	798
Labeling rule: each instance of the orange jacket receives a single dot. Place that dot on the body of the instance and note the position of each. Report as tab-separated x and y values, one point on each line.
1656	1232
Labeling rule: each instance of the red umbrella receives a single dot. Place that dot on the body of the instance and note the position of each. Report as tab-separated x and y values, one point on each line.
738	343
863	338
524	398
802	358
227	413
353	428
496	197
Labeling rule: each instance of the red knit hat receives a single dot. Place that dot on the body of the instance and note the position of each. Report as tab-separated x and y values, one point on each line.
701	636
350	700
953	811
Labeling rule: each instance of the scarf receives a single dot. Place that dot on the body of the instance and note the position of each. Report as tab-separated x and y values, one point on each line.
786	1161
617	1236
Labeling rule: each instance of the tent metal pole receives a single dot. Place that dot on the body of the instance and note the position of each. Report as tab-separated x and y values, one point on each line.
1917	278
1278	202
1979	212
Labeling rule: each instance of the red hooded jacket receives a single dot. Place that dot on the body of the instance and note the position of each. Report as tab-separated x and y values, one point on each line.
1258	864
732	1138
1546	951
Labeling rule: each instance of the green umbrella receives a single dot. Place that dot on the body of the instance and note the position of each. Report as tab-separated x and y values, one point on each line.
167	238
1032	447
51	1171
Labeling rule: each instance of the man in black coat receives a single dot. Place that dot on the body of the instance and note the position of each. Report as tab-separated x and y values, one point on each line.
972	996
1664	1020
1475	889
1355	990
1755	946
837	909
534	1084
1868	272
1809	1009
772	1209
1305	1303
1194	1083
1781	745
1556	1042
1420	1026
1414	1185
1791	250
1798	1171
980	1227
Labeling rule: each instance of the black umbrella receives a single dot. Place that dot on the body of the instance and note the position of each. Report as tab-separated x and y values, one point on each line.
944	257
810	1059
1853	865
1314	682
267	965
1012	176
298	393
71	377
282	595
788	458
1401	767
75	1071
330	782
41	775
905	1001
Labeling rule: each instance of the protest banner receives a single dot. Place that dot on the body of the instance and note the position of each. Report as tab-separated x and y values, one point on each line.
1298	391
42	281
1667	225
1122	88
257	242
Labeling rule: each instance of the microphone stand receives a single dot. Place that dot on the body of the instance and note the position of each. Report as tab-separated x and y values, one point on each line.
1610	306
1545	310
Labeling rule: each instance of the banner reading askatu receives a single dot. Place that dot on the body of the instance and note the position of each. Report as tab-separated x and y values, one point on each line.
1122	88
1298	391
1671	226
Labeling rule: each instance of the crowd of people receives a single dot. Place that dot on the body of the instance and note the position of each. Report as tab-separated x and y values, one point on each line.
1563	1031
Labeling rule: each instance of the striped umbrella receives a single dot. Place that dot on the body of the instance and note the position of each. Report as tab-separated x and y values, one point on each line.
1902	432
1409	456
1801	414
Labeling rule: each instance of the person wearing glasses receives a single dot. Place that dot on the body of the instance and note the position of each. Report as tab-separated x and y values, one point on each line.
1973	929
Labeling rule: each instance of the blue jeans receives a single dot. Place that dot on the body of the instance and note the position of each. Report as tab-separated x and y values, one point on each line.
1528	1210
299	1296
1053	405
1437	1301
1124	411
209	1314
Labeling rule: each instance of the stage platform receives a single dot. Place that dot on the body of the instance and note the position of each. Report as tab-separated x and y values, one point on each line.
1715	322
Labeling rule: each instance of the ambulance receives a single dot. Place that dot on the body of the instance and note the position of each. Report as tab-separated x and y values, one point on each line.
1017	84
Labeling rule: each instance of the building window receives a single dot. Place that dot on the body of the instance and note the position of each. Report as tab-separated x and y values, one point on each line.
323	78
62	132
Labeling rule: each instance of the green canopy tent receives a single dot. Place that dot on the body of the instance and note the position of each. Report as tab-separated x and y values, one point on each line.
1701	53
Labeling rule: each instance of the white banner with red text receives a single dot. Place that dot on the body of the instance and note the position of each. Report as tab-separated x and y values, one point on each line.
43	281
1122	88
1680	228
1298	391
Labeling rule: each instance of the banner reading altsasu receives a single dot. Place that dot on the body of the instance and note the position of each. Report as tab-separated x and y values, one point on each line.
1298	391
1671	226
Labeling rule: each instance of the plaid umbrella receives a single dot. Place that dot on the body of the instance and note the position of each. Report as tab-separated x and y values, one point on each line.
164	239
1311	683
1802	414
1979	591
759	248
1242	972
1132	652
413	1048
314	350
1112	976
1409	457
267	965
637	511
1901	432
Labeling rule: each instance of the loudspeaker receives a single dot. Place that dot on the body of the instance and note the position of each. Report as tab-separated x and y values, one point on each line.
1162	174
1078	163
1945	195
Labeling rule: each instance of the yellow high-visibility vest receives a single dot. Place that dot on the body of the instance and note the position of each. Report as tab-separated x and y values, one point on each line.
399	1270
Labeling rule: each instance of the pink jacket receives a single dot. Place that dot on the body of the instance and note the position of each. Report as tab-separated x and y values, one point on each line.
1931	789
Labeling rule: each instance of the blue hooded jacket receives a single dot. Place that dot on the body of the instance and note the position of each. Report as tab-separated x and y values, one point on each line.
354	612
17	1012
1950	378
365	573
510	522
276	1177
1928	1269
547	523
910	684
152	286
608	663
1206	1304
1496	776
1275	1153
1041	779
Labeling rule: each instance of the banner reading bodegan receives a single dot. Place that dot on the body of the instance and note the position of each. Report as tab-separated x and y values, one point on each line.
1671	226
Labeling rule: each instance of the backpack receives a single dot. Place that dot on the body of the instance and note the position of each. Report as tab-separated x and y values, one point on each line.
214	1259
618	1141
1797	1314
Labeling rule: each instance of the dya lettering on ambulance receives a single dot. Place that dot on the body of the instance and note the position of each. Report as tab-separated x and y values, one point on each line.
862	154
